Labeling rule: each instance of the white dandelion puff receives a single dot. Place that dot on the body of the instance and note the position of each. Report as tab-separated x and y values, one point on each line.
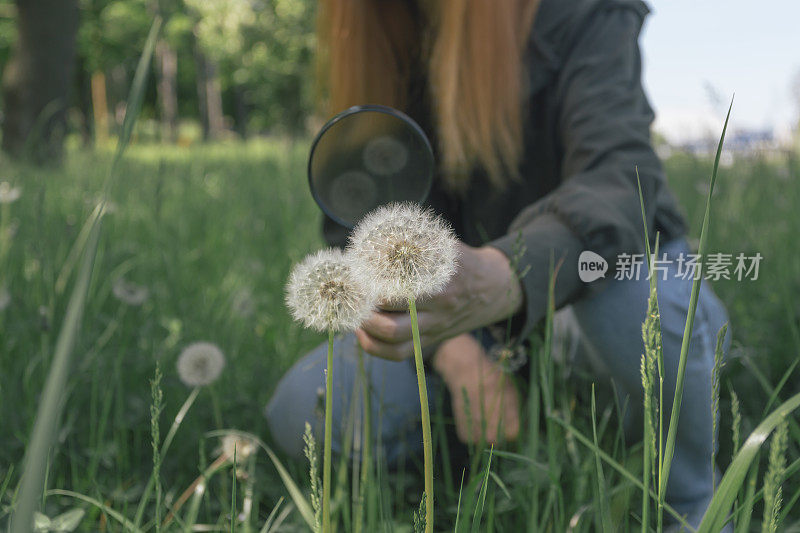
9	194
404	251
324	294
243	447
129	292
200	364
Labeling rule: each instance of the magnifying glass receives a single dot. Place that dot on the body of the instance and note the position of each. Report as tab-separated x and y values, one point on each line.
367	156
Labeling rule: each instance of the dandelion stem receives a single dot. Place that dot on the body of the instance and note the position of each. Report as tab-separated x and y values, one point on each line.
326	460
425	415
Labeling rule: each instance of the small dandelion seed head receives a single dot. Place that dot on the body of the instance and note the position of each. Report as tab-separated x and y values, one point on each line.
403	251
9	194
129	292
509	358
200	364
324	294
242	446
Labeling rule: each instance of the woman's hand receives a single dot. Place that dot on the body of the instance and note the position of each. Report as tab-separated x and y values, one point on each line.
483	291
485	402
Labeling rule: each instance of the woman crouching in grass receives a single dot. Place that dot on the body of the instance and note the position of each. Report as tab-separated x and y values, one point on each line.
539	122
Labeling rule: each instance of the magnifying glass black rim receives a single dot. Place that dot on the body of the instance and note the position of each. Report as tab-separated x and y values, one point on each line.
346	113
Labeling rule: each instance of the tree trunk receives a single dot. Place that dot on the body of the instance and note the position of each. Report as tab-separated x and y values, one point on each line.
240	110
200	82
209	95
167	62
216	123
100	107
36	81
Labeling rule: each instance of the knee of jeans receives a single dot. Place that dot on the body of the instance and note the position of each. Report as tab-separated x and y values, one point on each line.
712	317
288	412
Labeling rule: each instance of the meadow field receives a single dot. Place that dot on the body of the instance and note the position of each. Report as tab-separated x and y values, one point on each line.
197	244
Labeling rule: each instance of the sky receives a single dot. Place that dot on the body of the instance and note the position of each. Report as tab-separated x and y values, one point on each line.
693	49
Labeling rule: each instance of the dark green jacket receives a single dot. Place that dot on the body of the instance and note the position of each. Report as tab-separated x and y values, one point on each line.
587	130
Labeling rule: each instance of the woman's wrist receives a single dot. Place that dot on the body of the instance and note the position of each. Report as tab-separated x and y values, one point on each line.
500	289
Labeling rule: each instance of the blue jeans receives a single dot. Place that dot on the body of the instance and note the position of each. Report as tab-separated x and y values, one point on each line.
602	330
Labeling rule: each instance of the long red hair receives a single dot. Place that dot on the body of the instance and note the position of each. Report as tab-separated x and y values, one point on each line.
473	52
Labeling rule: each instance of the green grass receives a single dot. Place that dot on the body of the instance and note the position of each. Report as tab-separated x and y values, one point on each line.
212	231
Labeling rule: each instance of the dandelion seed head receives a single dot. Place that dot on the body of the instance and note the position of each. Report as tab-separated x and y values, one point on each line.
9	194
404	251
129	292
324	294
510	358
242	446
200	364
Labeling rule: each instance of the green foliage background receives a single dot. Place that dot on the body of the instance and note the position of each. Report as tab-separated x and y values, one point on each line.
263	49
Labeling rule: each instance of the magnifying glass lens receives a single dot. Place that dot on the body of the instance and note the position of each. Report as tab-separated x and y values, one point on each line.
368	156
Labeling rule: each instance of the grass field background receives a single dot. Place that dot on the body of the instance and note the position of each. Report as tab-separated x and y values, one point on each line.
211	231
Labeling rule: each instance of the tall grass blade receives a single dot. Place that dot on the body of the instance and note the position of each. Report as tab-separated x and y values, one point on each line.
124	522
717	511
272	515
746	511
602	493
458	505
155	434
777	390
233	491
672	432
477	514
49	411
132	108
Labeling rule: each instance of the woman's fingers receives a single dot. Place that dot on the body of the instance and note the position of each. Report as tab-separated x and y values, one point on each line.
393	306
395	328
386	350
388	327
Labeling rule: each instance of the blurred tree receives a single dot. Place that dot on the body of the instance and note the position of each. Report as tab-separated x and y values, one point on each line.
110	40
276	65
225	64
177	29
37	79
261	51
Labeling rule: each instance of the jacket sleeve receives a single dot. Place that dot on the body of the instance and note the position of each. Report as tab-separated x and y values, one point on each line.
604	131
